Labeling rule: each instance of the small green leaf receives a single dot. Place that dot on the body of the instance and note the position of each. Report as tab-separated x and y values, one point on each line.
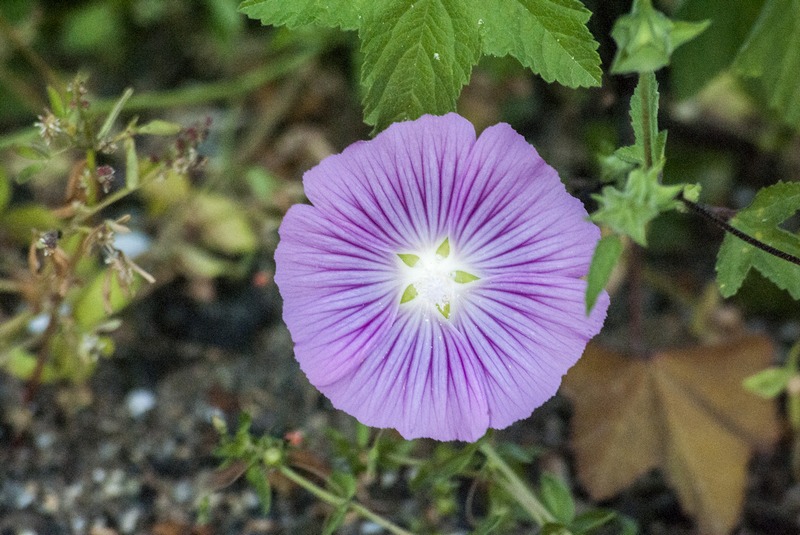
112	116
646	38
490	524
335	521
605	257
409	294
344	484
557	498
548	36
5	190
418	54
760	220
345	14
587	522
31	152
131	164
56	102
409	259
444	249
771	54
258	479
462	277
768	383
29	172
20	221
90	304
159	128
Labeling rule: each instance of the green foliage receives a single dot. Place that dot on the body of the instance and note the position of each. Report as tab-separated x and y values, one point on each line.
713	51
771	207
769	383
771	55
646	38
557	498
418	54
344	14
606	255
629	210
548	36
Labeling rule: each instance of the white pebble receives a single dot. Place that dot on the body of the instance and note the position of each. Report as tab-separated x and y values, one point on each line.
140	402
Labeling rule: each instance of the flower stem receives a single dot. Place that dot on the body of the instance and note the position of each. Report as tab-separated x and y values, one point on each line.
710	216
338	501
516	488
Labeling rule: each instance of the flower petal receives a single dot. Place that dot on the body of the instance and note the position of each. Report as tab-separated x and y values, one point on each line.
420	379
400	184
527	335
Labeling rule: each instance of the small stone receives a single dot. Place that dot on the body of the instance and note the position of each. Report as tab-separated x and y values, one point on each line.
140	401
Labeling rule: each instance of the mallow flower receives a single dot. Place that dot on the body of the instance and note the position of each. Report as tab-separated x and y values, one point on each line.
435	285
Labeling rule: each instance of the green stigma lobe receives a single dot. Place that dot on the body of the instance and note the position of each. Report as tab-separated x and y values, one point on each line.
462	277
409	259
409	294
444	248
445	310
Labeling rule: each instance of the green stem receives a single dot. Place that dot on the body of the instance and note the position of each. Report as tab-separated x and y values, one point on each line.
337	501
645	79
516	488
9	286
201	94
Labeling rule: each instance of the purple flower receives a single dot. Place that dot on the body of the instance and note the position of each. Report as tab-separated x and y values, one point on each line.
435	284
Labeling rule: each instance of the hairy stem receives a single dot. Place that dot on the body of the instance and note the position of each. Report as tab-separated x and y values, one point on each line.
338	501
710	216
515	487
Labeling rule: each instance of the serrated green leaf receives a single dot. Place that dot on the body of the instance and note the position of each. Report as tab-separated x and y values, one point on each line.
760	220
418	54
557	498
768	383
258	479
644	116
696	63
605	257
646	38
548	36
772	54
345	14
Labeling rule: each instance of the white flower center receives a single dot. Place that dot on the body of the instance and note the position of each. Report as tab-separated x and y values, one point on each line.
434	279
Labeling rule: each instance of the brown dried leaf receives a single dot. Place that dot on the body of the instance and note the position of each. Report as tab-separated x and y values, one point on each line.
683	412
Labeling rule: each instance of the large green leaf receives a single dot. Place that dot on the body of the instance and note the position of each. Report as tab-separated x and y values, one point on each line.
770	208
772	54
344	14
418	54
548	36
